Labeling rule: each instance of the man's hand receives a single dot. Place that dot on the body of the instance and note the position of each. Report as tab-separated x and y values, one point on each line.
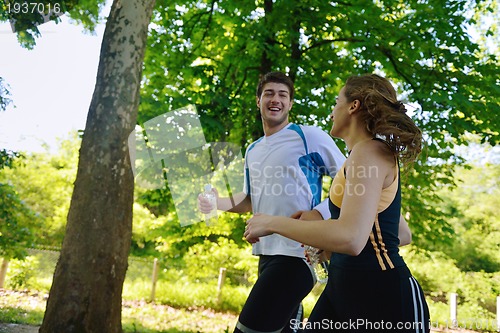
204	205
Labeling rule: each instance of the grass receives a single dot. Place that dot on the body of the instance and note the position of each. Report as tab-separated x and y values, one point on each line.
24	307
149	317
180	306
21	307
183	303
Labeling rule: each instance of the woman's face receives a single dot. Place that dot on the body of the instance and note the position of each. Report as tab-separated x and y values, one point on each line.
339	115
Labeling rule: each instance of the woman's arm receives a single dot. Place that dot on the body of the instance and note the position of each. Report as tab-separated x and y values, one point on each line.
366	170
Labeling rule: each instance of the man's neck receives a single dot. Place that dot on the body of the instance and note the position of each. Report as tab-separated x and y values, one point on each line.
270	130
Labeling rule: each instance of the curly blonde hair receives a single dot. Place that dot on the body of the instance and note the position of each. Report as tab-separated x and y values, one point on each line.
385	116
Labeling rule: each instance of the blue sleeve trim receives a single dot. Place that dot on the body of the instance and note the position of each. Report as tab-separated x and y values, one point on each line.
300	132
247	171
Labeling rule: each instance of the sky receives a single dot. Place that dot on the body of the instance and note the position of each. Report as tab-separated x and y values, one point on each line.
51	86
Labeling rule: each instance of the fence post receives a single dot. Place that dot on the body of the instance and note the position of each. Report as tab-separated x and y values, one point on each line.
453	308
498	313
3	271
220	283
154	279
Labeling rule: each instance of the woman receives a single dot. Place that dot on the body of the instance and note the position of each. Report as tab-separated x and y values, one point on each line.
370	287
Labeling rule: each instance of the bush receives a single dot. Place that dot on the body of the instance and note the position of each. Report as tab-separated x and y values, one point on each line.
21	272
439	276
203	261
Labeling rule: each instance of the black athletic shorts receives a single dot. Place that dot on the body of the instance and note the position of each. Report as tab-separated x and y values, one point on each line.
370	301
274	303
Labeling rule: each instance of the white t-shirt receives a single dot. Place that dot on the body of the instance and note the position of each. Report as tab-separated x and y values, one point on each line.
283	174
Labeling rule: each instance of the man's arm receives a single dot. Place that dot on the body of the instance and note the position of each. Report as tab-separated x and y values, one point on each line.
238	203
404	232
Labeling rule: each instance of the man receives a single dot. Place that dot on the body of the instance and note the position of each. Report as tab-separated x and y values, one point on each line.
283	175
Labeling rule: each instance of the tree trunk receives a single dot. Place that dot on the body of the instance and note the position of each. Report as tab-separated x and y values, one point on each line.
86	294
266	64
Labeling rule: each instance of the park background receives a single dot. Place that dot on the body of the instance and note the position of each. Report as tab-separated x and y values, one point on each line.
443	58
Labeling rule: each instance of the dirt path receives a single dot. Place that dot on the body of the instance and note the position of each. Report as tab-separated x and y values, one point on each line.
17	328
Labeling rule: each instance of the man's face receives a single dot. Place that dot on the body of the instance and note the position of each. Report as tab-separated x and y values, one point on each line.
274	103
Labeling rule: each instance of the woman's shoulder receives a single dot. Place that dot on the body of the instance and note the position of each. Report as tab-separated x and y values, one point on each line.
374	145
373	150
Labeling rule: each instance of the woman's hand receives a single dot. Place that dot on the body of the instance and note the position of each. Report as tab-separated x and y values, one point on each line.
312	215
257	226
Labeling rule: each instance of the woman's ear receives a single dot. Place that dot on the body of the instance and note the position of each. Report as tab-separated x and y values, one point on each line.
257	100
355	106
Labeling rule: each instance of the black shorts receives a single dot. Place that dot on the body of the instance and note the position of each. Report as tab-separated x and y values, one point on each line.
370	301
274	301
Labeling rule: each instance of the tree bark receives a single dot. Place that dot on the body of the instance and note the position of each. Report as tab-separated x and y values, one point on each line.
266	64
86	294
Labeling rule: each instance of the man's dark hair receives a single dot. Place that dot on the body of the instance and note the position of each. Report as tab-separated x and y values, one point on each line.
276	77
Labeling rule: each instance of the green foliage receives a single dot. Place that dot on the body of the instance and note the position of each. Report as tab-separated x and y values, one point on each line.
439	275
157	231
27	16
17	223
4	95
45	183
469	262
476	246
184	286
192	290
205	259
186	294
17	220
211	54
7	157
21	272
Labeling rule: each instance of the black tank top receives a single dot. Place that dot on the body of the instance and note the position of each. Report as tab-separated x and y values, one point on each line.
381	251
